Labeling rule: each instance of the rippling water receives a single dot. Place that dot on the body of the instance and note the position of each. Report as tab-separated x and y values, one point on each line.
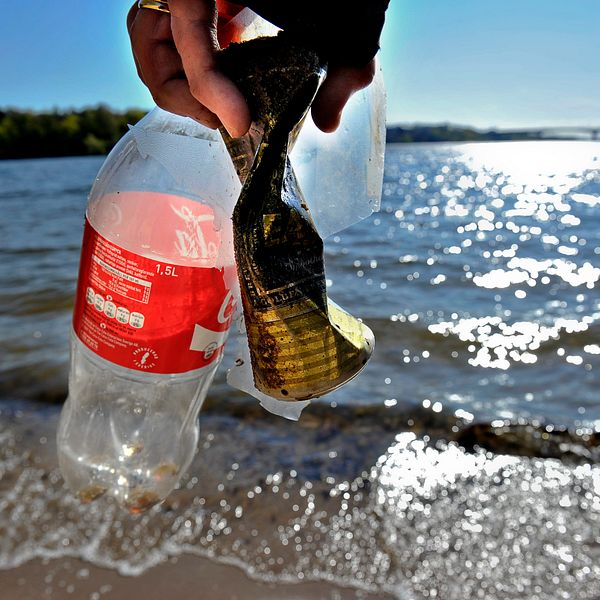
479	278
399	516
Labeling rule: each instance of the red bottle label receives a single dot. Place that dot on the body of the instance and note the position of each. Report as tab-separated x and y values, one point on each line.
146	314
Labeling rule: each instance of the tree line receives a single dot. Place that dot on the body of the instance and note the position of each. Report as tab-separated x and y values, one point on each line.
27	134
397	134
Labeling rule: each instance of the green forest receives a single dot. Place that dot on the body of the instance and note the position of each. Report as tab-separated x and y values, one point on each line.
397	134
26	134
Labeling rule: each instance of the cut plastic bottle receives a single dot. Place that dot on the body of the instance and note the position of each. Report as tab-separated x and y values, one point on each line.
153	309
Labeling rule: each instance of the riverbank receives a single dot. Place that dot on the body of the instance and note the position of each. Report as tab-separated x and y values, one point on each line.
184	576
333	511
95	130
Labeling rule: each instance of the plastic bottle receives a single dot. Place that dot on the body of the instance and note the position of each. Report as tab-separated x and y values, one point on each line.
157	288
153	308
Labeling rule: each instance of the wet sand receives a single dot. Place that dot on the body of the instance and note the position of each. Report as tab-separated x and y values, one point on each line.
185	577
289	503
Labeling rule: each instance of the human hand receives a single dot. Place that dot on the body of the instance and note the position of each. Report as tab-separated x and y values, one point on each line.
175	56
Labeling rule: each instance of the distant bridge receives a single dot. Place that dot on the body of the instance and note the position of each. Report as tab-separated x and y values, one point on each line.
565	131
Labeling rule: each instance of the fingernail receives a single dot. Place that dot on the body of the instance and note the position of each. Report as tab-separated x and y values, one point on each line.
230	131
211	124
235	132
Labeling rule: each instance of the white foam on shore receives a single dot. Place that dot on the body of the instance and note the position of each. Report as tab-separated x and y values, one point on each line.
421	518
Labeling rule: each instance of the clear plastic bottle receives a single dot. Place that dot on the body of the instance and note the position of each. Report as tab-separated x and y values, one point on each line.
157	285
153	308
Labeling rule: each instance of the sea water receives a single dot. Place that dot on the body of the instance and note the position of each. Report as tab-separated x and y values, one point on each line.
461	463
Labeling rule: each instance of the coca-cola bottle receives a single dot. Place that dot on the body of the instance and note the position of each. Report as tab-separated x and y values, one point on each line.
158	282
153	308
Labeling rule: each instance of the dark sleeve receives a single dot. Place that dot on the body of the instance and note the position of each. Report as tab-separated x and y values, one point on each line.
344	32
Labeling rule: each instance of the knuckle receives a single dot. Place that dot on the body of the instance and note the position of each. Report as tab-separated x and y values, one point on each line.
197	89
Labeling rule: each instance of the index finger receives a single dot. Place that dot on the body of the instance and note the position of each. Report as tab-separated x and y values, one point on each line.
159	66
194	28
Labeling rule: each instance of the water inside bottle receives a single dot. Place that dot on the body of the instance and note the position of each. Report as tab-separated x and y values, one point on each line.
129	428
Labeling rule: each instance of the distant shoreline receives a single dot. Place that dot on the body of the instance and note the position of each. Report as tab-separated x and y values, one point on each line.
94	131
399	134
86	132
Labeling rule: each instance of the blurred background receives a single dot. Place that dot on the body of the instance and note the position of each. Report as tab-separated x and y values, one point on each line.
463	463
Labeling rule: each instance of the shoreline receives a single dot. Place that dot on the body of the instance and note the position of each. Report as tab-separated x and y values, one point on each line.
520	437
391	142
287	502
184	576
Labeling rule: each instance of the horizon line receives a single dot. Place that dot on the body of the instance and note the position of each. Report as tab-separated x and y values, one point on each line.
389	124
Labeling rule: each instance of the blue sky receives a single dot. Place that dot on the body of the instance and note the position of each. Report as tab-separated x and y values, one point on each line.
509	63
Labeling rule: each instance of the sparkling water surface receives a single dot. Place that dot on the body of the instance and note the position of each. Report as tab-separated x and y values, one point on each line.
479	278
